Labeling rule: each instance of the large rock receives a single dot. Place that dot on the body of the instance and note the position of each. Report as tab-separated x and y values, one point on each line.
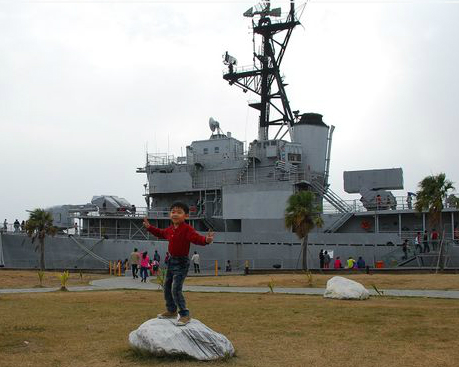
163	337
343	288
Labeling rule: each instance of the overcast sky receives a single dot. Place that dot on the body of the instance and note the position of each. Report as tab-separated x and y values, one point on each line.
86	86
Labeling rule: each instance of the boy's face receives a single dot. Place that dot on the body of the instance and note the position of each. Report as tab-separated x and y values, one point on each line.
178	215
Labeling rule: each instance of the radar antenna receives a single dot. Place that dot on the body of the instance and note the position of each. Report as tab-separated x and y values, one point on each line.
265	79
215	125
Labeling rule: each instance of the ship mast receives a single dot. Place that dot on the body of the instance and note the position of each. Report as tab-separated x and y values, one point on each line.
264	78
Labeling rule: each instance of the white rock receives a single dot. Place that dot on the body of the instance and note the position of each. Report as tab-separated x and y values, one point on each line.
164	337
343	288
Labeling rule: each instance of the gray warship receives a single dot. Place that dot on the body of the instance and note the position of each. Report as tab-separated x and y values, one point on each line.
240	192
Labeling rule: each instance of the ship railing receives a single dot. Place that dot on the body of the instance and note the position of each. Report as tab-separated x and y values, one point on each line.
139	213
401	204
241	69
162	159
10	228
232	177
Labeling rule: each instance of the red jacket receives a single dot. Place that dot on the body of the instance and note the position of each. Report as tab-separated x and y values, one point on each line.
179	238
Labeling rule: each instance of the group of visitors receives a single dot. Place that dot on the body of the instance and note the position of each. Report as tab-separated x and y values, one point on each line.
141	262
325	260
17	226
422	242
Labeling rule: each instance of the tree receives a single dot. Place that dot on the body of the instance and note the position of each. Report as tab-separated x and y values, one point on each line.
433	191
431	195
302	215
40	225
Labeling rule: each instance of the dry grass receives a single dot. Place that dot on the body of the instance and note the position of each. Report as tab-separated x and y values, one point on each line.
91	329
381	281
29	279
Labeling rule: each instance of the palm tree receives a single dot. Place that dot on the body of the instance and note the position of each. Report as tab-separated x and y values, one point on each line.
302	215
431	195
40	225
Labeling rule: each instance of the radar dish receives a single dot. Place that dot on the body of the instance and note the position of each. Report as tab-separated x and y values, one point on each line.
213	124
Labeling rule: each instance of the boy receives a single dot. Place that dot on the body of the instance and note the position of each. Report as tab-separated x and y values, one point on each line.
179	234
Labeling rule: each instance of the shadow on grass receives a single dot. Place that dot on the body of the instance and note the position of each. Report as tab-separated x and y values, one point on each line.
144	357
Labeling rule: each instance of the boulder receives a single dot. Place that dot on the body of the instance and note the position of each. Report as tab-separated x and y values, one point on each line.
343	288
162	337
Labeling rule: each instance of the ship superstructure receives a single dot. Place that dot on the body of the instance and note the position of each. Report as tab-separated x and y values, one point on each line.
227	187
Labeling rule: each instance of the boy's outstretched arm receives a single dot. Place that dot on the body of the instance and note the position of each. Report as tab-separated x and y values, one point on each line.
152	229
197	239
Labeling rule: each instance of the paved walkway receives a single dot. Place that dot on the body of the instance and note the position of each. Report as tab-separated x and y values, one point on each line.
129	283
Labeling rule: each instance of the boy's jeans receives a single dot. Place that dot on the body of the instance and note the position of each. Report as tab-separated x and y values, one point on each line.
177	270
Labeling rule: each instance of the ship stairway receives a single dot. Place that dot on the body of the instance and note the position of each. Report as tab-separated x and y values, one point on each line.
332	198
243	171
208	224
89	252
413	257
339	222
246	165
339	204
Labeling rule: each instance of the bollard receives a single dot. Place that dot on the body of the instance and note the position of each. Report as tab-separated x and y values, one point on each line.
216	268
246	268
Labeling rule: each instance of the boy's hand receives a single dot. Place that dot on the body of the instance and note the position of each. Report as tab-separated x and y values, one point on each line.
146	223
210	237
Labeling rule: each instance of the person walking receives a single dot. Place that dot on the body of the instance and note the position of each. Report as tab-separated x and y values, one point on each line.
405	250
144	266
327	260
417	242
156	256
134	260
321	259
425	242
434	239
195	261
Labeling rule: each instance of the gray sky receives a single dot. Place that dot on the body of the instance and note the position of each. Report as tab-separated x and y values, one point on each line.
86	86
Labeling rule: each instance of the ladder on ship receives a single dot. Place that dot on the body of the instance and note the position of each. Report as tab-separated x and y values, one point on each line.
339	204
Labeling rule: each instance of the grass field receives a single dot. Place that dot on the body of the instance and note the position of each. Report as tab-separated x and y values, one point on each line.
381	281
29	279
91	329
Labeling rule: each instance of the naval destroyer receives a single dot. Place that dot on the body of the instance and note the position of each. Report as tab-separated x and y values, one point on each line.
241	192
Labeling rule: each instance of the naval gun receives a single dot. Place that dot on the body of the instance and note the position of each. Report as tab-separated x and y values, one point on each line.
112	205
373	186
63	215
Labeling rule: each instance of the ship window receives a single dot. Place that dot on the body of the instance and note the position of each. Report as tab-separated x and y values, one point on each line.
294	157
216	150
206	150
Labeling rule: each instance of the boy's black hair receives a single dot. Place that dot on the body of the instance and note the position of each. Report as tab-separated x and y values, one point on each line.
179	204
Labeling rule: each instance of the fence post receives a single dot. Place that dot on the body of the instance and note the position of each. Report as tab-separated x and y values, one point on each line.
216	268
